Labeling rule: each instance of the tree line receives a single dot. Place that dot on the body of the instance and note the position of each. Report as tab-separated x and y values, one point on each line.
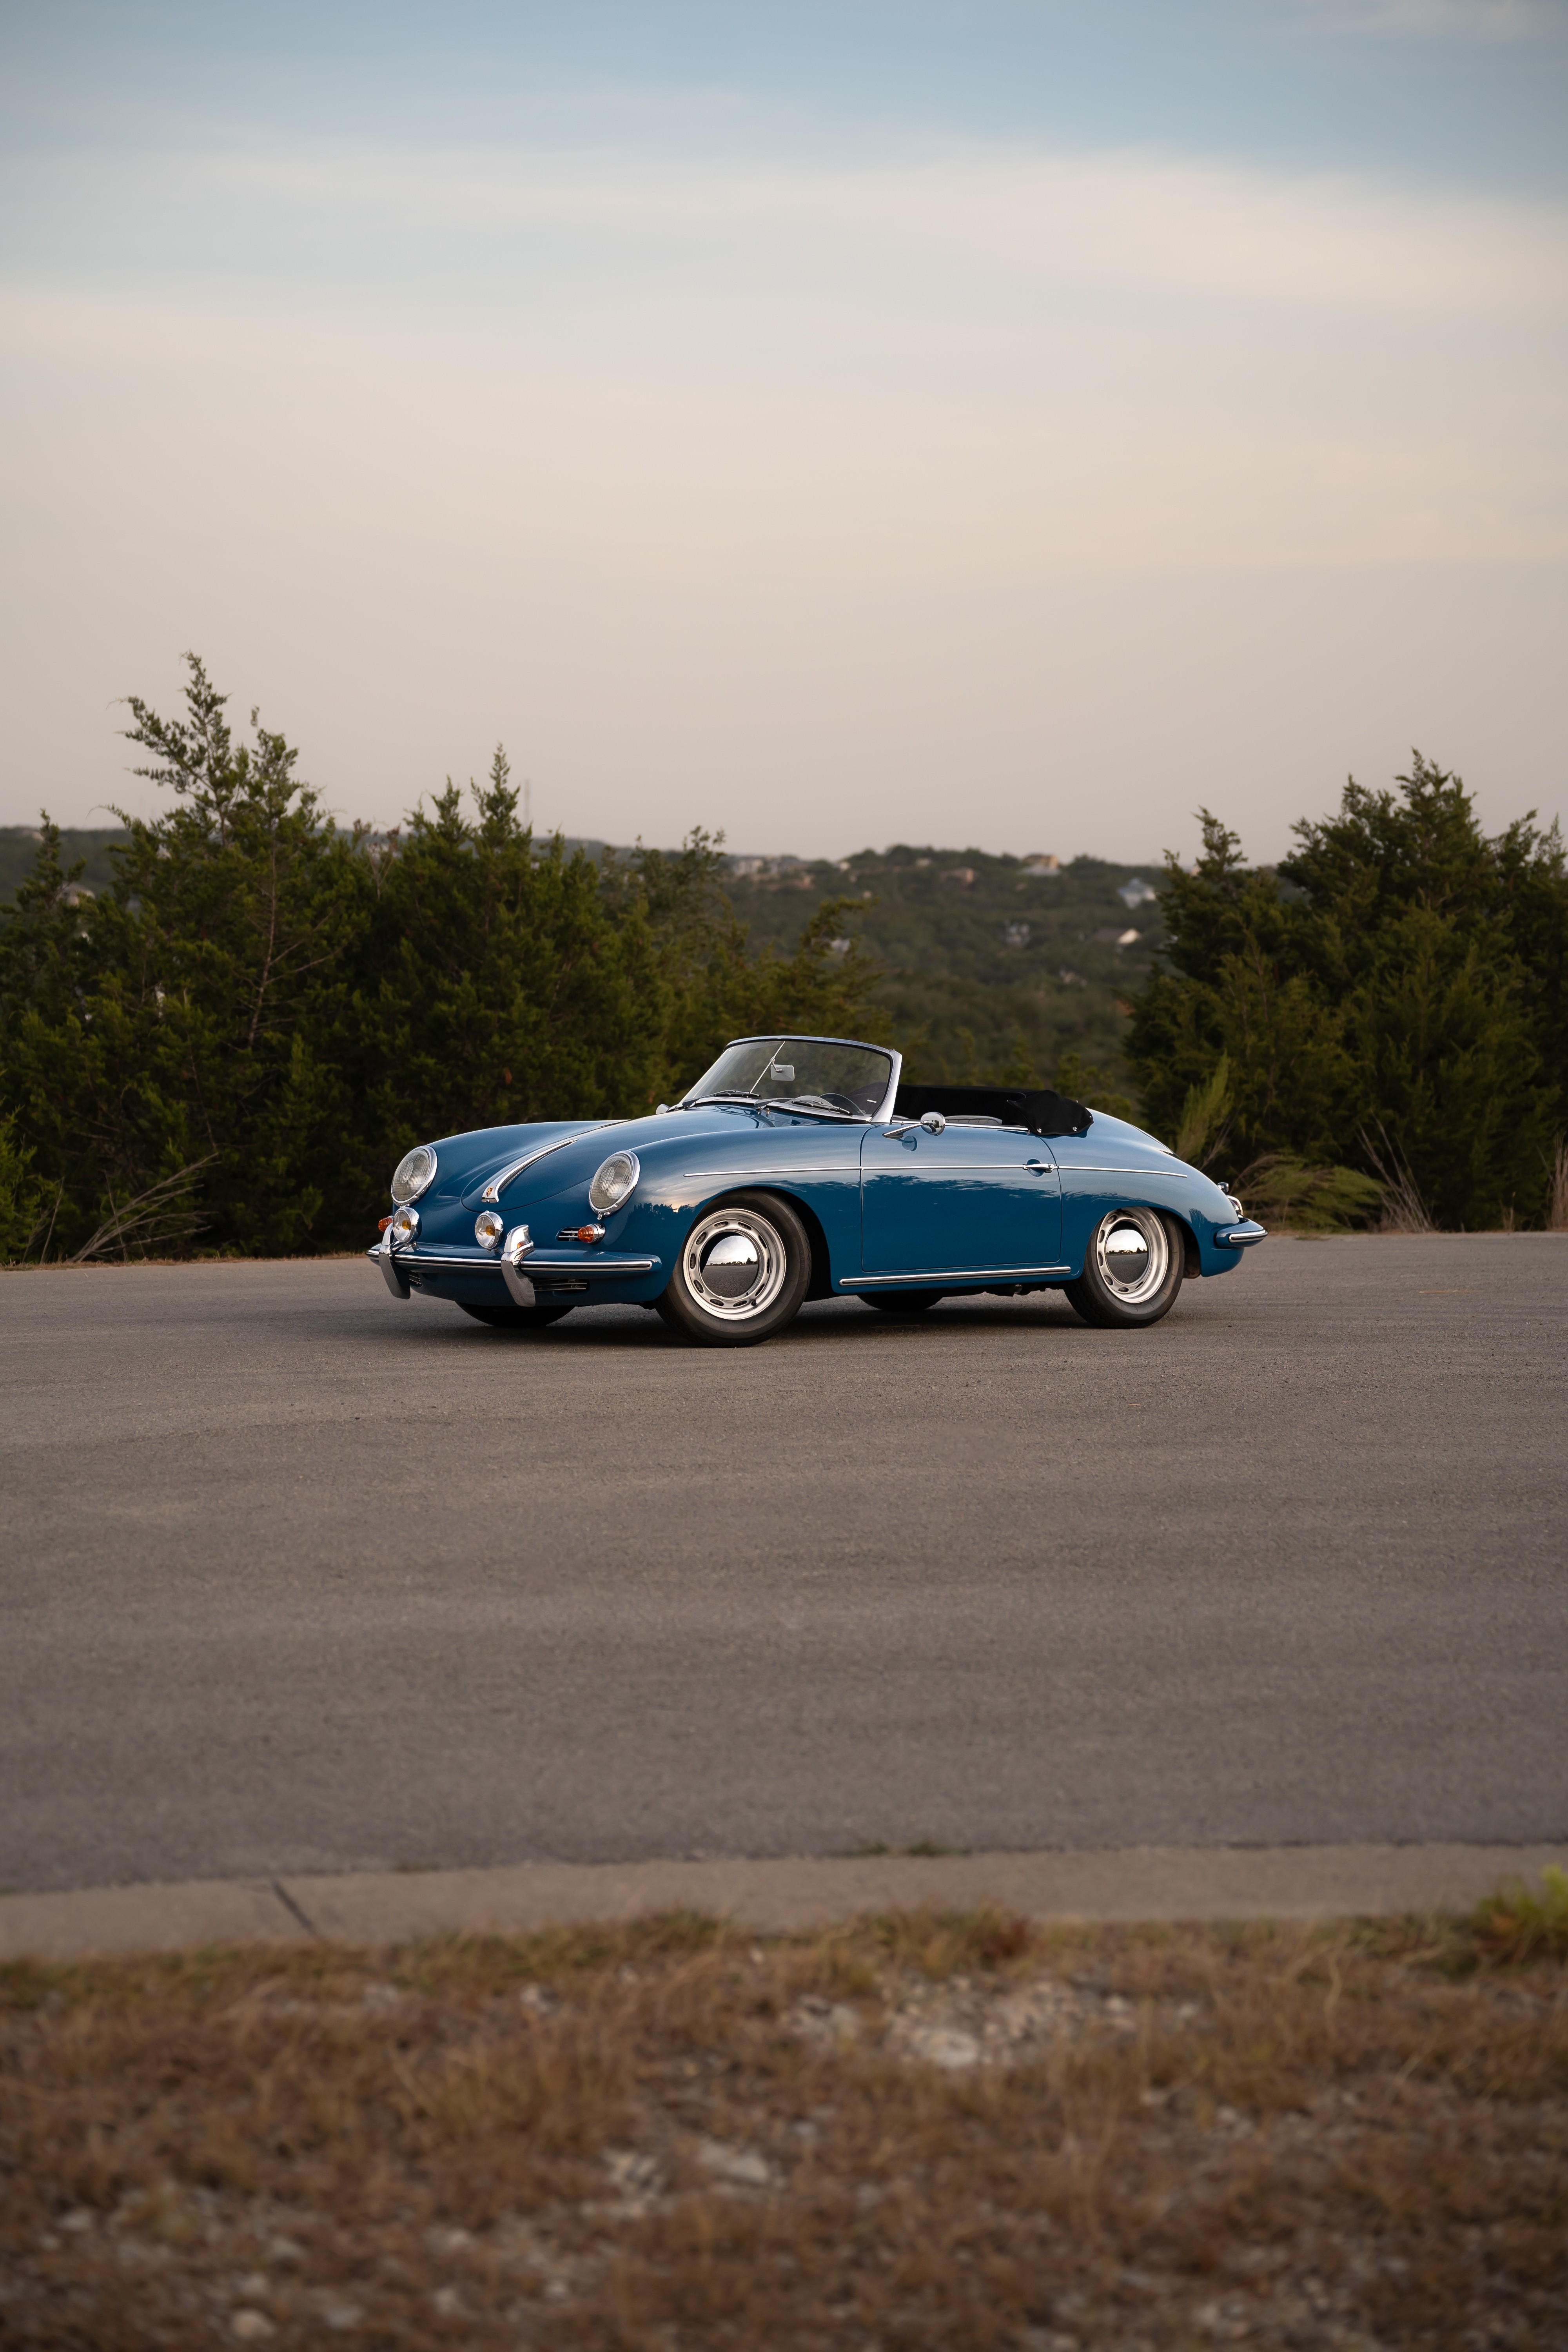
1378	1026
231	1046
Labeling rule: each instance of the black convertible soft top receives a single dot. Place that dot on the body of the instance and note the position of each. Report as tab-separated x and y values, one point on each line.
1041	1109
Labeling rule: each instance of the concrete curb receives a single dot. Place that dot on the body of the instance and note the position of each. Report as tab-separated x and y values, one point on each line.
1126	1882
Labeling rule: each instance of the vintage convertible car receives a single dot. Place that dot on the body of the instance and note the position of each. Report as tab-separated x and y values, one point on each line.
802	1168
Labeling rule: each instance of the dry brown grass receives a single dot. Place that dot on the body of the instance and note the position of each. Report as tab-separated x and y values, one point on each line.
920	2131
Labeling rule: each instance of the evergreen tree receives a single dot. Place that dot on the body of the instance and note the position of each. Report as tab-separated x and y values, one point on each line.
1391	999
492	981
237	1042
166	1038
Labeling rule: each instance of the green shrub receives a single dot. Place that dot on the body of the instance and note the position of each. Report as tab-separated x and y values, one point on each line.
1521	1923
1392	1001
237	1041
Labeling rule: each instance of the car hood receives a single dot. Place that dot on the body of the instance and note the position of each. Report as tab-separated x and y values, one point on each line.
568	1151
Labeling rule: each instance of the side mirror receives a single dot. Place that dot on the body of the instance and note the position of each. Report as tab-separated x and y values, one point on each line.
933	1122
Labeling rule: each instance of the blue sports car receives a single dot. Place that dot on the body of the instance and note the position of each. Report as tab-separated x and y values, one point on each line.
803	1167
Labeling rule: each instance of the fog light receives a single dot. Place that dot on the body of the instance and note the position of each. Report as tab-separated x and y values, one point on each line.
405	1227
487	1229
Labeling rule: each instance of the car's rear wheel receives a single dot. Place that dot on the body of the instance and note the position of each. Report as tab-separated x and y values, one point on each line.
1132	1271
742	1273
901	1302
508	1318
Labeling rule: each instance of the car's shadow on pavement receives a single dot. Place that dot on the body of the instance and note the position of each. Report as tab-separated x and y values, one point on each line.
835	1322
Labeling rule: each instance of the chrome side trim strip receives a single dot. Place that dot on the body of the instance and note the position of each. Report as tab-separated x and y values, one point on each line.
856	1166
921	1280
1100	1168
1241	1236
775	1175
996	1167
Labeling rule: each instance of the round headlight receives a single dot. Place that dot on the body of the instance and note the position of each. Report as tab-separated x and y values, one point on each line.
414	1174
613	1181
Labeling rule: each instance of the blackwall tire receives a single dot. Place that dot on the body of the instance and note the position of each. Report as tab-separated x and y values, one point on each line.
508	1318
1120	1289
742	1273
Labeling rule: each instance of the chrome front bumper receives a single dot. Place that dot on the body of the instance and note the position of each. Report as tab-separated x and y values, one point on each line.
399	1266
1241	1236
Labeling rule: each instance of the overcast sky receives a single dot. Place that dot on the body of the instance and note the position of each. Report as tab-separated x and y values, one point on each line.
1008	422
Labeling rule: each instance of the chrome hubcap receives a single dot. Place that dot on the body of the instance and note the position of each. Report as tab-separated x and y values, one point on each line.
734	1264
1133	1252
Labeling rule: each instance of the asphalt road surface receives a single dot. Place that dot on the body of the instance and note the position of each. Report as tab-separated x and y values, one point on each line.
296	1578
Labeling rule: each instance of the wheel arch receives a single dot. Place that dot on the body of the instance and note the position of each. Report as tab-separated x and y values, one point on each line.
1192	1264
821	1283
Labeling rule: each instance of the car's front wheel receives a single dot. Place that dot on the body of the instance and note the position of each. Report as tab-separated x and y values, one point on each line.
508	1318
1132	1271
742	1273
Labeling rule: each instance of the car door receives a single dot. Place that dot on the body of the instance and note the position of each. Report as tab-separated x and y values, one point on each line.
969	1201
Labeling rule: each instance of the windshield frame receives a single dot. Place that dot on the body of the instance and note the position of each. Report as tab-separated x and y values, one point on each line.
776	1038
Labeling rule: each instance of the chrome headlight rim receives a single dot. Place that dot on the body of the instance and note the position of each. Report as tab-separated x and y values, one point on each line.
413	1175
613	1181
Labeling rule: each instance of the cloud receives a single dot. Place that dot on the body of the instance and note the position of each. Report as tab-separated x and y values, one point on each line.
1132	223
683	469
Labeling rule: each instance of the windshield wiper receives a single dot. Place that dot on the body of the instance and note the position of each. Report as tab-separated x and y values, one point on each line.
813	1111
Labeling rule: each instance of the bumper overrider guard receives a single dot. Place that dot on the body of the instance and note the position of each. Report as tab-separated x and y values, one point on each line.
517	1263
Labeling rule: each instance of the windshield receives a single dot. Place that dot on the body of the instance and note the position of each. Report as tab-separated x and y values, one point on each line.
850	1079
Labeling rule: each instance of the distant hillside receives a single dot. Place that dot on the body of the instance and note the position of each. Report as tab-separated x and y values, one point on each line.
19	846
982	954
